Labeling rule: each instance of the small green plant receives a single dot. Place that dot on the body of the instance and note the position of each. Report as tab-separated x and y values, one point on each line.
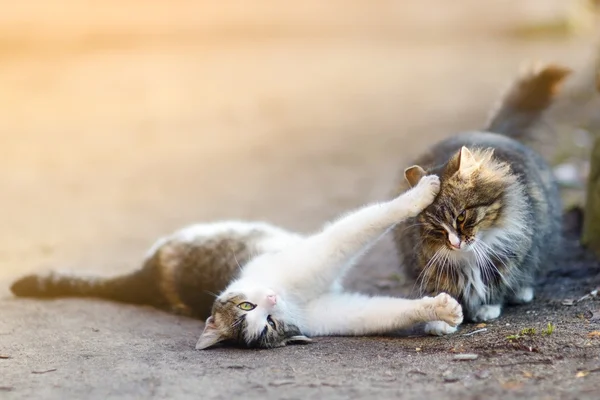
528	331
524	332
549	329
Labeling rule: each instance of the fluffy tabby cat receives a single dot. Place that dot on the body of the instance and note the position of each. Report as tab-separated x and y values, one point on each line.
497	217
276	286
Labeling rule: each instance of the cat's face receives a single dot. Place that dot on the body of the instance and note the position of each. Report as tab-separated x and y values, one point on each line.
249	317
469	204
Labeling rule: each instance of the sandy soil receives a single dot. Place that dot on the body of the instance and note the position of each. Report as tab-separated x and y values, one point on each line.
120	123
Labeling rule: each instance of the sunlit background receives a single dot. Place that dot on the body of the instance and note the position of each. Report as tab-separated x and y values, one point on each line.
123	120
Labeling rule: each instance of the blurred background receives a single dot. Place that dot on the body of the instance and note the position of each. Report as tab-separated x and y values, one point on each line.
121	121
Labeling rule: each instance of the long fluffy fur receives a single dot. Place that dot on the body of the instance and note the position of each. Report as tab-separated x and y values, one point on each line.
517	213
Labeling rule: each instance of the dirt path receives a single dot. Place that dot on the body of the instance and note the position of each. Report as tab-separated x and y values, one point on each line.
116	130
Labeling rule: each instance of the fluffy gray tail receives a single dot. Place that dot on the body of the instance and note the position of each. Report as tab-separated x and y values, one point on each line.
523	105
136	288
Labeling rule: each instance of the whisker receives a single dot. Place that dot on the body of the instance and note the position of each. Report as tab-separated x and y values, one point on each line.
236	260
482	263
498	253
237	322
445	265
425	272
412	226
498	257
484	248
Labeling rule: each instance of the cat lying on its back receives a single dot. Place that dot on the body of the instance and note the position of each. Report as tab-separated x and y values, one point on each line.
276	287
497	217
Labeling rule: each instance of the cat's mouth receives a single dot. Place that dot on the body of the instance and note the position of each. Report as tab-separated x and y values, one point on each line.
462	246
459	243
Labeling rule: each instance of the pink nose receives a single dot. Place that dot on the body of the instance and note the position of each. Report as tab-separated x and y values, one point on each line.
454	240
272	299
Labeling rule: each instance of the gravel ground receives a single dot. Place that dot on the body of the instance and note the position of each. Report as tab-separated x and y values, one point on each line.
118	129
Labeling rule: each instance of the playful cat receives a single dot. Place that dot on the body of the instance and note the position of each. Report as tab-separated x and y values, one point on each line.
497	217
276	287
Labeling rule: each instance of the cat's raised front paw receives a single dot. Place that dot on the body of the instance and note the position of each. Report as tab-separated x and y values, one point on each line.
424	193
439	328
447	309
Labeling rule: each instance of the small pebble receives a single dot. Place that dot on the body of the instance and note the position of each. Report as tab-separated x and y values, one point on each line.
465	357
281	382
568	302
483	374
450	377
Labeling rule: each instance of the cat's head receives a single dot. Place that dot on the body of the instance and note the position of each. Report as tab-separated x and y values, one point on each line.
252	317
470	203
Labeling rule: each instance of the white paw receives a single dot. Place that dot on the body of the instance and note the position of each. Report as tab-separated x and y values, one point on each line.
422	195
447	309
487	312
439	328
428	188
523	295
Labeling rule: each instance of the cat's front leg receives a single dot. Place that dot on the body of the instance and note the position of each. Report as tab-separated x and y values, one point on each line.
349	236
486	312
357	314
323	258
522	295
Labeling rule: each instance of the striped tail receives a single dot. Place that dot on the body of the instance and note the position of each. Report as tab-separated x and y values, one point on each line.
523	105
136	288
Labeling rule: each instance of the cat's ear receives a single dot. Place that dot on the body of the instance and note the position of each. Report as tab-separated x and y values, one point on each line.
414	174
210	336
298	339
466	162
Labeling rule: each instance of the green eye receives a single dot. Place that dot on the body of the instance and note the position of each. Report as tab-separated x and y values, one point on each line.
461	217
246	306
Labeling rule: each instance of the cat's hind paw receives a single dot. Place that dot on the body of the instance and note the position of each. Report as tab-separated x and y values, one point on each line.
439	328
447	309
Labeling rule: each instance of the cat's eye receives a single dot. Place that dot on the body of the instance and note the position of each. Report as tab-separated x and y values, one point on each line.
246	306
439	232
271	322
461	217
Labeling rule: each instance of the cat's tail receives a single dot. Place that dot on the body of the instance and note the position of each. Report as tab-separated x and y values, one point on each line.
523	105
135	288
